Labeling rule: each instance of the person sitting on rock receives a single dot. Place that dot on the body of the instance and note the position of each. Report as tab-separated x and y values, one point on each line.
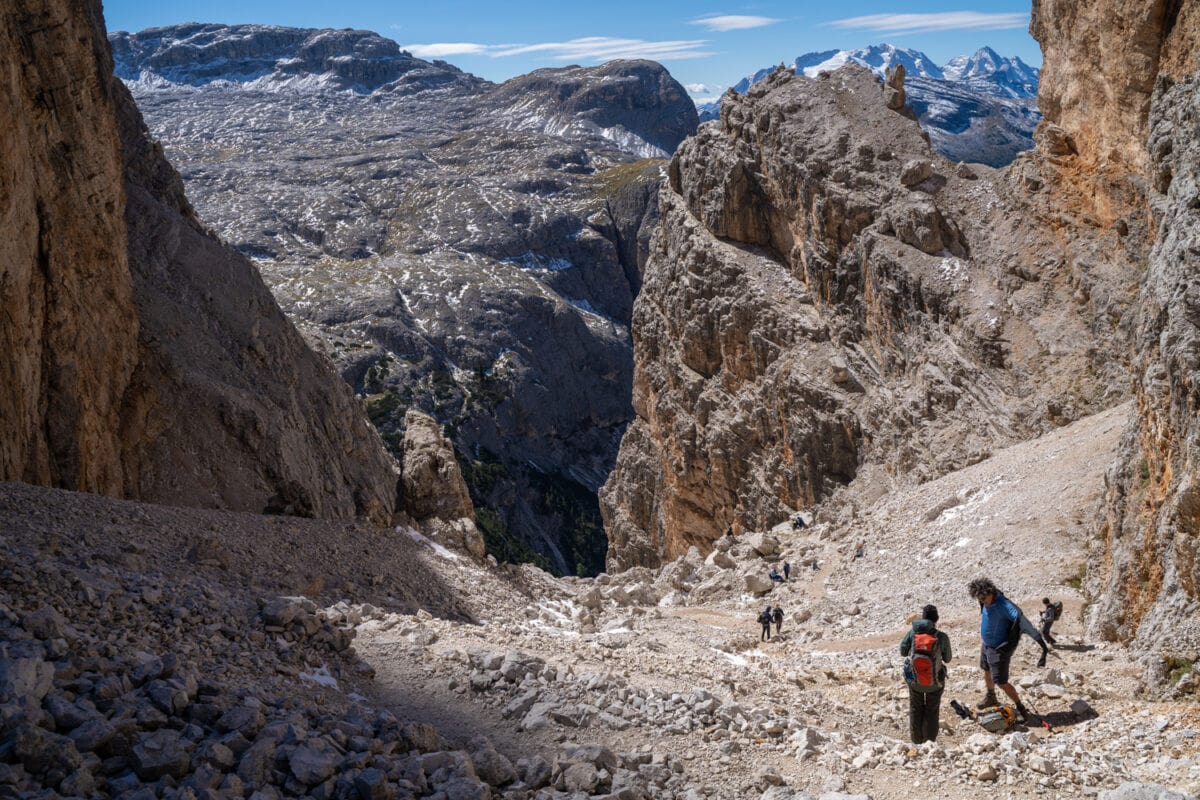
764	619
777	615
798	523
774	575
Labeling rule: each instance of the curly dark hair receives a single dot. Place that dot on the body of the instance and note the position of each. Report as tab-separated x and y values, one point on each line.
981	588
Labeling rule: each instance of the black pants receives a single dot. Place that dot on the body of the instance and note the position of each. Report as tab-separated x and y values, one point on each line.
1046	631
923	709
766	632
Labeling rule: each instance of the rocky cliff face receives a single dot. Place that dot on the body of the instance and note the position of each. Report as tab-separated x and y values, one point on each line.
1145	568
828	300
64	273
150	360
1119	148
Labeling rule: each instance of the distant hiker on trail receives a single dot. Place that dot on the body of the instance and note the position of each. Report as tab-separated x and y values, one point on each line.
859	548
787	571
1029	630
1050	614
815	567
775	576
925	673
1000	632
777	615
764	619
729	532
798	523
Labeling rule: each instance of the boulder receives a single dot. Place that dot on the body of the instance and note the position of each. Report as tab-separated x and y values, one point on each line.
759	584
763	544
159	754
915	171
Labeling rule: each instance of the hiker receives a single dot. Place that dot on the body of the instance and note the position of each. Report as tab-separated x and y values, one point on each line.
787	571
815	566
925	673
1050	613
775	576
798	523
764	619
777	615
858	549
1000	632
1029	630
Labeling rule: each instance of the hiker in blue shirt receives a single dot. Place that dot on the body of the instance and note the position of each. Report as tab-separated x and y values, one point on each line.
1000	630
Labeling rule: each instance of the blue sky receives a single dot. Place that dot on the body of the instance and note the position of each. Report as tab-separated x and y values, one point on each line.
700	43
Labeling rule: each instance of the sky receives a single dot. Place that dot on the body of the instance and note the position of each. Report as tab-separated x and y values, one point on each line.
709	45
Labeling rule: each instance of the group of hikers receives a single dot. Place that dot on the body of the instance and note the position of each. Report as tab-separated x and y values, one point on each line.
927	651
770	615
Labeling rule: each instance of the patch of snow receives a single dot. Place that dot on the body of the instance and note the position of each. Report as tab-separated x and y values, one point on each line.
320	676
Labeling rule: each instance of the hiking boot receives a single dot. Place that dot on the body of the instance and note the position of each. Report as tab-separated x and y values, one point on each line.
1023	712
988	701
1042	661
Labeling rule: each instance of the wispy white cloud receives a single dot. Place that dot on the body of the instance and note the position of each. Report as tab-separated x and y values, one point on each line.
733	22
589	49
443	49
605	48
931	23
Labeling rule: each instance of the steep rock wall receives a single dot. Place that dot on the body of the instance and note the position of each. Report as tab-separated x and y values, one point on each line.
827	299
1145	568
64	272
148	360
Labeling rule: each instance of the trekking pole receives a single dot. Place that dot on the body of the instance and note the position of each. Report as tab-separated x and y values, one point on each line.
1045	724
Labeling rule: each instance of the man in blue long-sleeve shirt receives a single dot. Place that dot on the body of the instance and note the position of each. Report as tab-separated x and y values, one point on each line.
1000	630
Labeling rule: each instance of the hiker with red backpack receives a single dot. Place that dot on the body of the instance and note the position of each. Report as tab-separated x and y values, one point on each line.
927	651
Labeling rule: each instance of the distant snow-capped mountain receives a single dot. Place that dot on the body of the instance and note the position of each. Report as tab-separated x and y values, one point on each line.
979	108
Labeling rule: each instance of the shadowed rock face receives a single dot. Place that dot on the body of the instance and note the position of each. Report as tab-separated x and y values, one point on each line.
149	360
69	333
829	300
466	249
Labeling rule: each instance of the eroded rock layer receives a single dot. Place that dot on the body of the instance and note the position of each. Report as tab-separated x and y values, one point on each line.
142	357
827	298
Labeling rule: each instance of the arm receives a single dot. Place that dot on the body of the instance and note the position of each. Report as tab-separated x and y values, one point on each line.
946	654
906	644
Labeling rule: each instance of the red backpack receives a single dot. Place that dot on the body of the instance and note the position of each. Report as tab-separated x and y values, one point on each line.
925	663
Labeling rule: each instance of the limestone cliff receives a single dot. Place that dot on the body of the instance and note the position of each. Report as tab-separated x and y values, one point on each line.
142	357
69	333
828	299
1120	148
1145	568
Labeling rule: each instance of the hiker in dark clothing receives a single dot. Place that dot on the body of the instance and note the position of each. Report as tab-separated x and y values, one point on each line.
1050	612
1000	632
777	615
798	523
764	619
775	576
924	702
787	571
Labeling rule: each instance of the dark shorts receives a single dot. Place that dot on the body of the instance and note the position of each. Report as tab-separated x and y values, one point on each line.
995	662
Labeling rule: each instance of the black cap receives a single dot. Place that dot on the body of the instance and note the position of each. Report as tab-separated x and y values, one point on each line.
929	612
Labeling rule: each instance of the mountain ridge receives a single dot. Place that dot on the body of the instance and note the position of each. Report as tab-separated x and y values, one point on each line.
977	108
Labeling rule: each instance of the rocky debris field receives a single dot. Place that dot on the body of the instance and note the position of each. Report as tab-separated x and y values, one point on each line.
158	652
